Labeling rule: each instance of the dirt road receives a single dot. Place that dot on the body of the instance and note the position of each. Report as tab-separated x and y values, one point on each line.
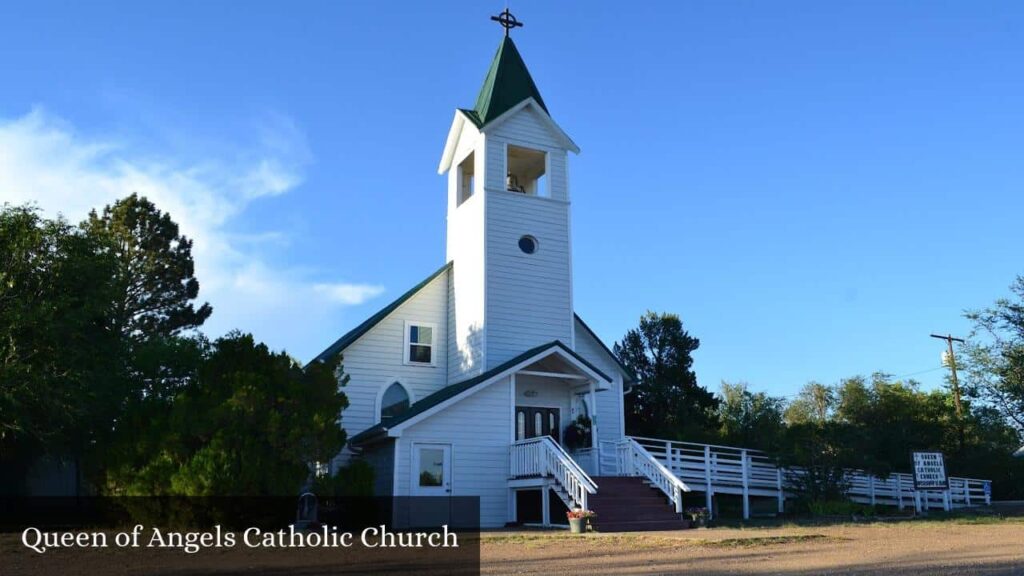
906	548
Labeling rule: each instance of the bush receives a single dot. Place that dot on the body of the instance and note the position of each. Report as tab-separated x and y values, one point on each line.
354	480
840	508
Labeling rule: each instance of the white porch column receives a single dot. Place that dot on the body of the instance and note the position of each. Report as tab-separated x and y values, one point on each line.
782	494
708	491
512	505
595	452
545	502
746	484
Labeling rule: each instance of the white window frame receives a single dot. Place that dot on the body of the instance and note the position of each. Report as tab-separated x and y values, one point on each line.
406	343
384	388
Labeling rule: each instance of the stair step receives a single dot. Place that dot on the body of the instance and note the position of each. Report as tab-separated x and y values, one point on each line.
630	503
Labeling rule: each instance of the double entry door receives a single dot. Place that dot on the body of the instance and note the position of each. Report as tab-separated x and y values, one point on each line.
533	421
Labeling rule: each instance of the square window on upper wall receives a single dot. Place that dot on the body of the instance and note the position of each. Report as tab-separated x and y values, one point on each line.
420	341
527	171
467	181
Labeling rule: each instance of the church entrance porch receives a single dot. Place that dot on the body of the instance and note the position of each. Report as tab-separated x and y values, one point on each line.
554	399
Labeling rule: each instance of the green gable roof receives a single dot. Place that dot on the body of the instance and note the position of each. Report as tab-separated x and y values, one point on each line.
455	389
354	334
508	83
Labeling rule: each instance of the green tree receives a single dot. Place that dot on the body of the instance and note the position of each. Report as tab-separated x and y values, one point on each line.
54	351
251	423
666	402
995	357
154	279
814	403
750	419
152	312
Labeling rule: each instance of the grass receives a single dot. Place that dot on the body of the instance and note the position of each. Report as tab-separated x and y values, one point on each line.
767	541
904	518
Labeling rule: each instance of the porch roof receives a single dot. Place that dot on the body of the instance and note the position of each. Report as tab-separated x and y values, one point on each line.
449	392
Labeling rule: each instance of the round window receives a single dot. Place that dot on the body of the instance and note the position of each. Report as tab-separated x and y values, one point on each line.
528	244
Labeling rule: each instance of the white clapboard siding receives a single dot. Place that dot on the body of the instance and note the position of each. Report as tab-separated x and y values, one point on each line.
479	430
529	296
378	357
609	402
466	294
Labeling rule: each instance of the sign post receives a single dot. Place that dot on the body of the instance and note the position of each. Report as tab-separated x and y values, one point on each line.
930	476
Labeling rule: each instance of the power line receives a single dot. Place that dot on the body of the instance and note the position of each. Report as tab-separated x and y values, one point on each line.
918	373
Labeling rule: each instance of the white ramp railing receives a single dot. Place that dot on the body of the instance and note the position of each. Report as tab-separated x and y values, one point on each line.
714	469
543	457
631	459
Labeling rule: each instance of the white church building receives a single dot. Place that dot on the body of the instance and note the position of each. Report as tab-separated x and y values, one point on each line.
468	384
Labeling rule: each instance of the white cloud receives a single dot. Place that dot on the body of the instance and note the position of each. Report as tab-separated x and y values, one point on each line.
348	294
44	160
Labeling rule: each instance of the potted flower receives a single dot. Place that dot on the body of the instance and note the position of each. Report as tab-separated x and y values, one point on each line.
578	519
699	516
577	433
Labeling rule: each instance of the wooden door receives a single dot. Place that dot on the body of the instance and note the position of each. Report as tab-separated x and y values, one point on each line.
533	421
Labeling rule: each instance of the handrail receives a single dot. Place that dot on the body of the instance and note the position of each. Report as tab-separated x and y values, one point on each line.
656	473
568	459
552	460
736	448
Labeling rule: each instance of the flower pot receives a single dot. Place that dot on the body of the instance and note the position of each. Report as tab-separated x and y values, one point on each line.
576	525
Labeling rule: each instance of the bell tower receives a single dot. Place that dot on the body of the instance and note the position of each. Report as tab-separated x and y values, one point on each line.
508	220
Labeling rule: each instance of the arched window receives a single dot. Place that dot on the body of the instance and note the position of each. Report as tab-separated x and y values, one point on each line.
394	401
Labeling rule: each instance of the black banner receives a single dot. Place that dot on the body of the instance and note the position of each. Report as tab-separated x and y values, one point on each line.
259	535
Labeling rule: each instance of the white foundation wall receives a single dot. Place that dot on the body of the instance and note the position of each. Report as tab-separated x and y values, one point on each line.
479	430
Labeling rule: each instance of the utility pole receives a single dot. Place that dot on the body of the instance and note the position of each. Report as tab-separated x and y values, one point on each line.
956	385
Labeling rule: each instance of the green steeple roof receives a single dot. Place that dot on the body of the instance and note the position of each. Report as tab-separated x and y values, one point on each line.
508	83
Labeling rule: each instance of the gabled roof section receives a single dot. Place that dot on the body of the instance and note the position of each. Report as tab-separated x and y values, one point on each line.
354	334
629	374
449	392
508	83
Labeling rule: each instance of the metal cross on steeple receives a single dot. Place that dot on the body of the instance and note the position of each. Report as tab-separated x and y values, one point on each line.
507	21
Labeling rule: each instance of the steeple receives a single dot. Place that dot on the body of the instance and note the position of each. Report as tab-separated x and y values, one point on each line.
507	83
508	220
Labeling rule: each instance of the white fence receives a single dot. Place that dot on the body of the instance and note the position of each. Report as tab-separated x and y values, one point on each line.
730	470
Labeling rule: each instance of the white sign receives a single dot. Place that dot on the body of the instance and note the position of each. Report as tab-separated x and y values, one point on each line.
929	471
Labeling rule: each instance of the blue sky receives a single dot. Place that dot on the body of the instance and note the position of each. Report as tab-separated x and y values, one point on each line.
814	187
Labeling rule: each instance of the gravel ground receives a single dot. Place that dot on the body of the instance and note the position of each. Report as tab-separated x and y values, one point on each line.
910	548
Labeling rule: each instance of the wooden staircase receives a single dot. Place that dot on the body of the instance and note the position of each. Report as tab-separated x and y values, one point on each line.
631	504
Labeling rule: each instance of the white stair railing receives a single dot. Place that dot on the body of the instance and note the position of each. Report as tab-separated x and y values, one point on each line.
543	457
633	460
